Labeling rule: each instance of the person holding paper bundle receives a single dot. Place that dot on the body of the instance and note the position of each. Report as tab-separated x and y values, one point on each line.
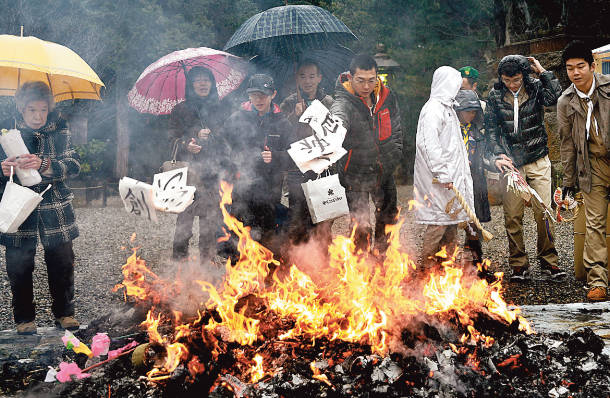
47	137
257	137
193	129
369	111
300	228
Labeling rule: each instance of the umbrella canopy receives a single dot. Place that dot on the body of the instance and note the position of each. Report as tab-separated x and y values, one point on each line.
162	84
288	30
24	59
332	61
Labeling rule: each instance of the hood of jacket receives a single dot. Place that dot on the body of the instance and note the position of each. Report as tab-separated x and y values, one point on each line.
446	83
344	88
189	92
468	100
524	67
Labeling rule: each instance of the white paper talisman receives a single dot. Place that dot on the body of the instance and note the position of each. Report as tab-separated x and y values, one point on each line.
137	197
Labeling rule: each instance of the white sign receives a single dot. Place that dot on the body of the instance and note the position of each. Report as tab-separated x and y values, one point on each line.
320	150
171	194
138	198
168	193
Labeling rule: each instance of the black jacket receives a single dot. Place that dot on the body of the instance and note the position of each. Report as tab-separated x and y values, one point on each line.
374	136
245	135
185	121
530	142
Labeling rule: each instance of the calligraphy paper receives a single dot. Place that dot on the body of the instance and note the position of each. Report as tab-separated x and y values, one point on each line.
137	197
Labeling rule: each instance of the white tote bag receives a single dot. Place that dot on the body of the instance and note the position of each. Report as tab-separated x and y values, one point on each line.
325	198
16	205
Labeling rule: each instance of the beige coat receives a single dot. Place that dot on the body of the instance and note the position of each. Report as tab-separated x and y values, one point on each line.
571	121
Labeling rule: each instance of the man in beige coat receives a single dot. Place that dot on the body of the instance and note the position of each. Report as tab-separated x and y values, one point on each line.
583	113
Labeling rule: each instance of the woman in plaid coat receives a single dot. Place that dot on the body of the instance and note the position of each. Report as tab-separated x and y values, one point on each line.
47	138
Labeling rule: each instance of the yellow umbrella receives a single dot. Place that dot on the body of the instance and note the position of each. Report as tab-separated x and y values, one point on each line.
24	59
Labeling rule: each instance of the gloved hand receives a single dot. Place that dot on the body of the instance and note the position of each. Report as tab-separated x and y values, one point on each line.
567	191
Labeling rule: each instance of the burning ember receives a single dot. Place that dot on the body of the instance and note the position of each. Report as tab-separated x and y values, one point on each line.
356	302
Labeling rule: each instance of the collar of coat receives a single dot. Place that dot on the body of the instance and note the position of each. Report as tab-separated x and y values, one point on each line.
53	119
247	106
381	92
602	83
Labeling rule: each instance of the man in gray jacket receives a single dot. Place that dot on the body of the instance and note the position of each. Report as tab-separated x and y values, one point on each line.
583	113
369	111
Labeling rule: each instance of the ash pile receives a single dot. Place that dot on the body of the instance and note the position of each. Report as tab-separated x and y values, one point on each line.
348	326
515	365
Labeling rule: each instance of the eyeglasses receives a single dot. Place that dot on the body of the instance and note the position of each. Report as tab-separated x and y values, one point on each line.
512	82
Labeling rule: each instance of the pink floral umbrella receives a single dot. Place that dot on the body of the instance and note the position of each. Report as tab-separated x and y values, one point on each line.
161	86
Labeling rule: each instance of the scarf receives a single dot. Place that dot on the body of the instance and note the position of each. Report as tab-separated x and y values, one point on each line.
587	98
465	130
516	110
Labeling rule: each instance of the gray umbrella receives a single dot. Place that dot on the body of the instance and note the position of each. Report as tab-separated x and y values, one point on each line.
288	30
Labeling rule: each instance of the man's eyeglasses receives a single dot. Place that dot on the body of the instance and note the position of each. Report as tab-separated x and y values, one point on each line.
512	82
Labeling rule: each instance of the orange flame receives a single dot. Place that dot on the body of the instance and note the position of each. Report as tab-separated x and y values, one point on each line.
361	301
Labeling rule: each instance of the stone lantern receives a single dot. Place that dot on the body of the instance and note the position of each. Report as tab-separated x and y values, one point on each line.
387	67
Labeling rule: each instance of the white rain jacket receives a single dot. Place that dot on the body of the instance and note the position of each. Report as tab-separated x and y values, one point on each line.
441	154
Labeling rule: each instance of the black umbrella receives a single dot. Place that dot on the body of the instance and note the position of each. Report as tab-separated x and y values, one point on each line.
332	61
288	30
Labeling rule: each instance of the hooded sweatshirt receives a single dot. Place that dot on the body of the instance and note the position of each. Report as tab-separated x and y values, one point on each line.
441	154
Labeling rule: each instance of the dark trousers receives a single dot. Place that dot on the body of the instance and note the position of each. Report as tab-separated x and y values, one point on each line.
60	271
385	201
206	208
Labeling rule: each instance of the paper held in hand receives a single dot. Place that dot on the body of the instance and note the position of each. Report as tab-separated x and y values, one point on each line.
320	150
168	193
13	145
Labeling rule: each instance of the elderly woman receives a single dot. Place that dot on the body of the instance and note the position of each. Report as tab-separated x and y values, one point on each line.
47	138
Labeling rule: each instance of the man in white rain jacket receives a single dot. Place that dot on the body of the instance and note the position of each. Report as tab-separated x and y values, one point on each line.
441	156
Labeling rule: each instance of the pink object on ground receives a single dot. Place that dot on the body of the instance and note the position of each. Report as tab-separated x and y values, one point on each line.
100	344
117	352
67	370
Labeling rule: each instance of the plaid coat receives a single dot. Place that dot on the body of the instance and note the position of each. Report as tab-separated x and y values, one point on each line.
53	219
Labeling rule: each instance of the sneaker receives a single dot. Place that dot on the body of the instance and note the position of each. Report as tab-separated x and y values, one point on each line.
67	322
552	272
520	274
597	293
26	328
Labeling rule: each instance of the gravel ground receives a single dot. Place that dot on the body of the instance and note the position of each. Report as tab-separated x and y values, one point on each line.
105	232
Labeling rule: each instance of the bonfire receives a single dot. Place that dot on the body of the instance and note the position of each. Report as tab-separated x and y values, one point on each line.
355	301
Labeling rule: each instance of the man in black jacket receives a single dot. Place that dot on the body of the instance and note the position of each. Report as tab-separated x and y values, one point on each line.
257	138
514	121
370	114
301	228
